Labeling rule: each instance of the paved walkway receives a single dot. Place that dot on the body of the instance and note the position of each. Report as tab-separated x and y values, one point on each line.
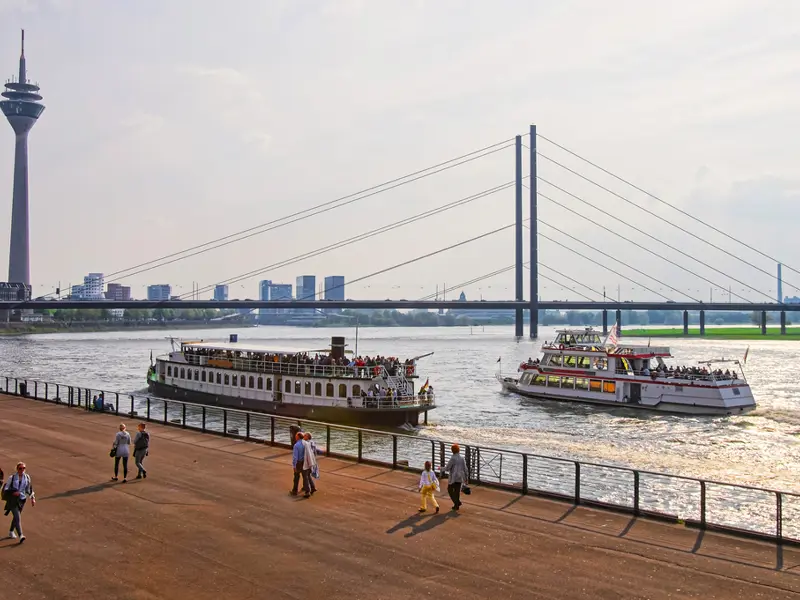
214	520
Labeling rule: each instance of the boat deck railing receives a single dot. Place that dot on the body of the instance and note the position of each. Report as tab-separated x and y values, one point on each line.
702	503
685	378
299	368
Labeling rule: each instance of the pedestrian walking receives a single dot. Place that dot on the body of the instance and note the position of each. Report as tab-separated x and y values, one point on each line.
121	451
298	461
457	469
310	468
16	492
141	449
428	483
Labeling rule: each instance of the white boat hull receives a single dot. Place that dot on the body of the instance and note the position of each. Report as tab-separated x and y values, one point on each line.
654	396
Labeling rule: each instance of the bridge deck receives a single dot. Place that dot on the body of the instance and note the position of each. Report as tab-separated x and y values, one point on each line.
214	520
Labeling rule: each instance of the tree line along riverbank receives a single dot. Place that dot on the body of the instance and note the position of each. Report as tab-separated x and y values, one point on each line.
717	333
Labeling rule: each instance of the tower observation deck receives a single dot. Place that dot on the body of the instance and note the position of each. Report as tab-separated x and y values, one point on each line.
21	107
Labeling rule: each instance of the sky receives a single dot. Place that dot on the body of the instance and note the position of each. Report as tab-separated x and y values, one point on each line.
170	124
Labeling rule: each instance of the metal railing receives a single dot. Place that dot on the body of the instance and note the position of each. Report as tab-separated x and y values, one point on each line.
733	508
294	368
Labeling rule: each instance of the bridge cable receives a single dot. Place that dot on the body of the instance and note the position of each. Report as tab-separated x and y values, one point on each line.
600	264
662	219
645	248
359	237
302	215
560	284
654	197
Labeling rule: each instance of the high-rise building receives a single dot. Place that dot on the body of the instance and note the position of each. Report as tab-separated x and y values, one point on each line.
305	289
93	285
159	292
220	293
334	288
22	109
263	290
14	292
116	291
280	291
76	293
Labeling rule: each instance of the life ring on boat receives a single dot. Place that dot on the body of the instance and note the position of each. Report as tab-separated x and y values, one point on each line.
561	346
409	370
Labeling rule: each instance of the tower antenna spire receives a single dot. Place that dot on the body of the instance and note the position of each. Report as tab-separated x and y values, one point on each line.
23	76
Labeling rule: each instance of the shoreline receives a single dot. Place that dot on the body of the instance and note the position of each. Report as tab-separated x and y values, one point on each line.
717	333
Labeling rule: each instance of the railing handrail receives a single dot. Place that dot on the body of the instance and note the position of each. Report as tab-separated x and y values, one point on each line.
440	441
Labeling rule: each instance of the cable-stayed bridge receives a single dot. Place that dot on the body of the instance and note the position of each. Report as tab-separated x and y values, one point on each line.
657	245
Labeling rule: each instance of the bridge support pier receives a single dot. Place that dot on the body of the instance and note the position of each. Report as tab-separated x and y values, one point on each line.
519	328
534	241
619	322
783	322
702	322
605	321
686	322
763	322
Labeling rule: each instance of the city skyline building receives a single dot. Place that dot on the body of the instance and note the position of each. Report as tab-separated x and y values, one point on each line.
21	107
305	289
220	293
117	291
93	285
159	292
334	287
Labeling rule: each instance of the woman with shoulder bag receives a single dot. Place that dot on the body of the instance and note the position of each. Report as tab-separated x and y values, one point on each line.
16	492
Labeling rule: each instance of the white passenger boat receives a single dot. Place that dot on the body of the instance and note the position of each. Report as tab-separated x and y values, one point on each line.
302	383
580	367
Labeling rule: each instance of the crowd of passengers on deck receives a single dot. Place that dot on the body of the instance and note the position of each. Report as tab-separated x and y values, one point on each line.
663	370
366	366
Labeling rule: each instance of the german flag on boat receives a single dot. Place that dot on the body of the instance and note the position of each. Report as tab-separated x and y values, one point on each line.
425	385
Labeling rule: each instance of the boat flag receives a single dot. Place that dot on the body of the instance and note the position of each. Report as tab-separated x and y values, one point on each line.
425	385
613	335
745	355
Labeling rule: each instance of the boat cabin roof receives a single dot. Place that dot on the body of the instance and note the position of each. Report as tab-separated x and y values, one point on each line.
578	336
639	351
237	347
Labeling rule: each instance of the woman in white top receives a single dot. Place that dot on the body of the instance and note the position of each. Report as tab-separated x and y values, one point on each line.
121	450
428	483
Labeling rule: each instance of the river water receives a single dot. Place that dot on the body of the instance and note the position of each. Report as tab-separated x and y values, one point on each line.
761	448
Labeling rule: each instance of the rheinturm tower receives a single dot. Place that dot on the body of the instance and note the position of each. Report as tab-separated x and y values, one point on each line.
21	106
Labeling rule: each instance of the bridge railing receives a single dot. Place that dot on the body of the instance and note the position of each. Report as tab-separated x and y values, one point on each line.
734	508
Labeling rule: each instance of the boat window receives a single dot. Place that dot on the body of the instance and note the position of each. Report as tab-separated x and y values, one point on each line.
581	383
736	392
540	380
610	387
269	384
252	382
227	379
288	387
318	389
342	390
298	387
307	388
242	381
169	370
183	374
219	378
568	382
569	361
356	390
553	381
329	390
595	385
203	376
526	378
260	383
601	364
555	360
196	375
234	380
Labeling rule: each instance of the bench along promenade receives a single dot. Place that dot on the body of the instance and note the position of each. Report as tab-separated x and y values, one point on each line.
214	520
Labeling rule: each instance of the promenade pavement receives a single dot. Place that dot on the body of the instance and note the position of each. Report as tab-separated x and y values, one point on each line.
214	520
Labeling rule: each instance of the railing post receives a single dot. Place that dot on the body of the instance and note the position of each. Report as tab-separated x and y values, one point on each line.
46	391
116	403
524	473
224	422
360	445
133	404
394	451
183	415
478	461
703	504
441	456
16	387
203	426
577	483
636	493
148	408
58	391
247	426
166	410
36	389
327	440
779	517
272	430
